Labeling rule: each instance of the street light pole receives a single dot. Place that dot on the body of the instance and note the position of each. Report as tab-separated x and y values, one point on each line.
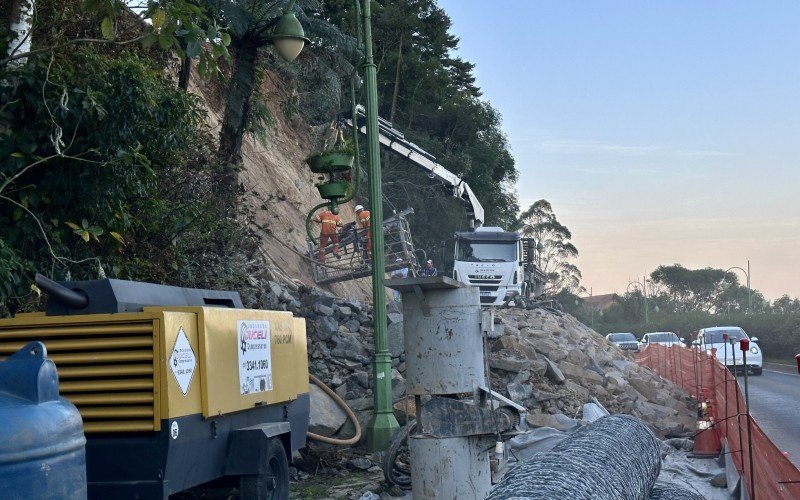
643	284
747	280
383	423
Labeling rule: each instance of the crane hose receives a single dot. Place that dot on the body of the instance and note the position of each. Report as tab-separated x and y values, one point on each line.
340	402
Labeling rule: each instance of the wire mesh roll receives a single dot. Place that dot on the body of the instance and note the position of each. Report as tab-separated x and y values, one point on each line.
616	457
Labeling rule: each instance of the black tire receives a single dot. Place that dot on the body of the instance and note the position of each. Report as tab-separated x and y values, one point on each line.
757	371
273	484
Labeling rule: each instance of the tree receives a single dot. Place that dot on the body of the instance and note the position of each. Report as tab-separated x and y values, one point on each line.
171	24
432	97
786	305
555	259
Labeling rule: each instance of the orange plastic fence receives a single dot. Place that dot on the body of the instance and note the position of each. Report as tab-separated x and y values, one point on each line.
705	378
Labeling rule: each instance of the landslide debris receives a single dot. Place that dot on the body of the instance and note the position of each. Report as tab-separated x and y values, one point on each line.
553	364
546	360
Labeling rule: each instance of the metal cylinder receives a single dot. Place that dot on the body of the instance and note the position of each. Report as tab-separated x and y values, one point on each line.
450	468
443	341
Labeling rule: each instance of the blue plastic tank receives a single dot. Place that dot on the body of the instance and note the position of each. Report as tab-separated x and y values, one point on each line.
42	446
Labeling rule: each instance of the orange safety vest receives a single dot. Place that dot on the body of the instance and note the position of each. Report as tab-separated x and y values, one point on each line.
329	221
363	218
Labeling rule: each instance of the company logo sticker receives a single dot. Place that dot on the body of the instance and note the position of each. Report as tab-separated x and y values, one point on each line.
255	356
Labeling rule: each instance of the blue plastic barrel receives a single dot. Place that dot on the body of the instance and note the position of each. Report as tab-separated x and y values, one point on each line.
42	446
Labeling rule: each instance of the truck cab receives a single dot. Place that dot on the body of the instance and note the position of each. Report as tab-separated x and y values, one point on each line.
492	260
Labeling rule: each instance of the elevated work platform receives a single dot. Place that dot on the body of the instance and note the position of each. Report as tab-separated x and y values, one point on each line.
353	261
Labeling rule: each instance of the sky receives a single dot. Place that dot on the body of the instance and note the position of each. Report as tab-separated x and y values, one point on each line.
662	132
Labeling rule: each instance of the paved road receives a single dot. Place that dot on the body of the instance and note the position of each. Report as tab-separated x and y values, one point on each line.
775	405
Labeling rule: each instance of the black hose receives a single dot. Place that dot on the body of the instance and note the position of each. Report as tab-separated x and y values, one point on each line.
616	457
392	471
60	293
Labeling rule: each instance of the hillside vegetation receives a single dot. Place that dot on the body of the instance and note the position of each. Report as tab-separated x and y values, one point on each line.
109	168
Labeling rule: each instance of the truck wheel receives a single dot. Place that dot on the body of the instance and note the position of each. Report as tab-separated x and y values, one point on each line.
757	371
273	484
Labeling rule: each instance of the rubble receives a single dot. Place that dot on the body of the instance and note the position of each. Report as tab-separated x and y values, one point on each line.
580	363
547	361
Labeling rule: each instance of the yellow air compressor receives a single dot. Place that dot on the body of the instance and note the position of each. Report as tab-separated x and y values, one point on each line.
176	387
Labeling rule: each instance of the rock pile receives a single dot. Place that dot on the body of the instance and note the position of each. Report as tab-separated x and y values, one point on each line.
553	364
547	361
340	347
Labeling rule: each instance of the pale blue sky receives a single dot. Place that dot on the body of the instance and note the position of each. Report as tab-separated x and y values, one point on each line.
661	131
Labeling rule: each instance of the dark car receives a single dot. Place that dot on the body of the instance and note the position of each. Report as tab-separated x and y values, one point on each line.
625	341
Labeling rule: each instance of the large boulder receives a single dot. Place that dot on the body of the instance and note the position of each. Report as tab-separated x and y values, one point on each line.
326	416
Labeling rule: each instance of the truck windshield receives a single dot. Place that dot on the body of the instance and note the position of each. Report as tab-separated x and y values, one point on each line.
486	252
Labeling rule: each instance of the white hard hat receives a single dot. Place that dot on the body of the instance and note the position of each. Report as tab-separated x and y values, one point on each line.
359	208
430	261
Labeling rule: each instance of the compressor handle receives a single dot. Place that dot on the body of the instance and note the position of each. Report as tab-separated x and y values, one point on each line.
60	293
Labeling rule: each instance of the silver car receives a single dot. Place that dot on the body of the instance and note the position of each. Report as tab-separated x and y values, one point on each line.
625	341
664	338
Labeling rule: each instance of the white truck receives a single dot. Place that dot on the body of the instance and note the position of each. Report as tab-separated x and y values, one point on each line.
500	263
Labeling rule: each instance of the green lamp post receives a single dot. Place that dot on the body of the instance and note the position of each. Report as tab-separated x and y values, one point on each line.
383	424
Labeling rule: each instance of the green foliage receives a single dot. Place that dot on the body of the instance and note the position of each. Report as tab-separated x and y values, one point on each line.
106	168
684	300
778	334
181	26
432	97
555	259
13	269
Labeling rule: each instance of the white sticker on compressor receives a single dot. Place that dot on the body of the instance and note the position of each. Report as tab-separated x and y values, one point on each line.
182	362
255	356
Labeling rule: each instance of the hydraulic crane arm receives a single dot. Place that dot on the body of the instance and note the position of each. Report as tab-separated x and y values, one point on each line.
394	140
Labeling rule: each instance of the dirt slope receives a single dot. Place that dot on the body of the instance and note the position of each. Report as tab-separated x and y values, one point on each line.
279	187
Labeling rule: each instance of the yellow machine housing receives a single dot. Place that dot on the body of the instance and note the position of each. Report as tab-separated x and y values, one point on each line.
159	386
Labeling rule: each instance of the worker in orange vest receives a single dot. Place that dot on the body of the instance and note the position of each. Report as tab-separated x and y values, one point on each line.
362	216
330	222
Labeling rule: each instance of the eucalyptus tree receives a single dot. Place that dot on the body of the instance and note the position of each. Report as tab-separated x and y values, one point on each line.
555	258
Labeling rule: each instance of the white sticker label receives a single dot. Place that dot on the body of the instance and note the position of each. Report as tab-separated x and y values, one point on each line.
255	356
183	361
173	430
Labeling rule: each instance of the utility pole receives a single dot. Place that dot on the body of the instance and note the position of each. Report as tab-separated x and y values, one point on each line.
644	287
383	423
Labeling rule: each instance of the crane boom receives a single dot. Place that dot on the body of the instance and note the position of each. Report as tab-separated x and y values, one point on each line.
395	141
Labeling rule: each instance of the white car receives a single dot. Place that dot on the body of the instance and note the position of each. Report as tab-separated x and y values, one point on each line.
664	338
715	337
625	341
